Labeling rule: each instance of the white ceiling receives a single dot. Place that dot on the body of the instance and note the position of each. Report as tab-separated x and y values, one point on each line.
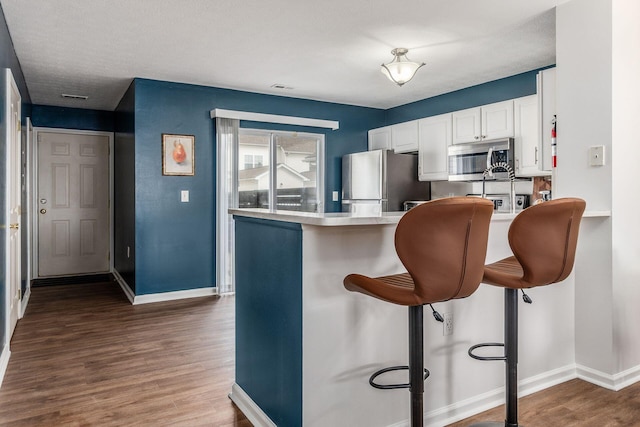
328	50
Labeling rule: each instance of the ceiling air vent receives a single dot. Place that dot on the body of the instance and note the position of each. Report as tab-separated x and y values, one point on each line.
279	86
83	97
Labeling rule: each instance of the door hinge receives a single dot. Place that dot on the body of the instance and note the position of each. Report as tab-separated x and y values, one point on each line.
20	294
39	137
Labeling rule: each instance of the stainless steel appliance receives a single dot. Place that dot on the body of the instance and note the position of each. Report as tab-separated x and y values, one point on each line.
380	181
467	162
502	202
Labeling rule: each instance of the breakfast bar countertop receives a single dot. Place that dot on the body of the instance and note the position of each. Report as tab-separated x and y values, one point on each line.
332	219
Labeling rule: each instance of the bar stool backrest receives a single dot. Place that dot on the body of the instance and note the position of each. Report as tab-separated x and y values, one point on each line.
544	237
443	245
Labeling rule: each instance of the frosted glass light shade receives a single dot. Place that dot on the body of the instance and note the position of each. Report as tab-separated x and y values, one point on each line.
401	69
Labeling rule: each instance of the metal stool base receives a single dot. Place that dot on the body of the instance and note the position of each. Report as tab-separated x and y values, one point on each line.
392	386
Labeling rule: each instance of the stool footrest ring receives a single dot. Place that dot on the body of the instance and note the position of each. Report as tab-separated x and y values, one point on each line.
391	386
486	344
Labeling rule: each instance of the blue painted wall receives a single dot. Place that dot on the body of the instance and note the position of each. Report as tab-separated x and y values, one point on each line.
174	241
8	59
124	181
269	317
72	118
495	91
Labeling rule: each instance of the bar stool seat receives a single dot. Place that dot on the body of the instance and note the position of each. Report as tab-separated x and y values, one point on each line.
543	239
442	244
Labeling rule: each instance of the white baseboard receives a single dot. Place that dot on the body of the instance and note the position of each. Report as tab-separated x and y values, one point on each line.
4	362
24	302
162	296
176	295
615	382
249	408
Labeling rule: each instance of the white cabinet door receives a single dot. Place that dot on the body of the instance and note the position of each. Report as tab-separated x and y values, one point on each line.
380	138
528	155
404	137
466	126
488	122
434	141
497	120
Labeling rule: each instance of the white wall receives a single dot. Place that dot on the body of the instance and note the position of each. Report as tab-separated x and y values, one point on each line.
583	97
597	103
626	151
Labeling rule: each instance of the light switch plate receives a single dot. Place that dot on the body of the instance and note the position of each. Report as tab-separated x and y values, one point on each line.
334	196
184	196
596	155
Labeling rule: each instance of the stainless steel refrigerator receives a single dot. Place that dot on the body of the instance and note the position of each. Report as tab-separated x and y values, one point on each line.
380	181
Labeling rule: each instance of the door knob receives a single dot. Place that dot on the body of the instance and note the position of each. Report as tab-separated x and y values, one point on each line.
14	226
43	211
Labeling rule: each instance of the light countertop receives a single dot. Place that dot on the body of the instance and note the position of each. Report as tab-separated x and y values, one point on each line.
333	219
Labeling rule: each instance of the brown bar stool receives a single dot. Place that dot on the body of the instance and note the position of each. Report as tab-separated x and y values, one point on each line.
442	244
543	240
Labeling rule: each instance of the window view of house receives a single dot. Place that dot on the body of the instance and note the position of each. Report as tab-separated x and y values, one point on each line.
278	171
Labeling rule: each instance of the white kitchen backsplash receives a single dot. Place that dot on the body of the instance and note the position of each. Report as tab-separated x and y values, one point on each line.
440	189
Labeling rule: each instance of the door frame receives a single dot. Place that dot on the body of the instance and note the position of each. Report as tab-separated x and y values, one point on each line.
10	134
32	166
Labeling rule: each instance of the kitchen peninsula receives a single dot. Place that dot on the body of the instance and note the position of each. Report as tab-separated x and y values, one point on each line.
305	347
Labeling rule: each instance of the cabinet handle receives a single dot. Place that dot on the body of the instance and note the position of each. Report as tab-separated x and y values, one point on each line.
476	137
483	136
536	157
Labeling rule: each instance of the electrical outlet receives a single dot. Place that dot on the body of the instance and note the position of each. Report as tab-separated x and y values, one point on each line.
447	326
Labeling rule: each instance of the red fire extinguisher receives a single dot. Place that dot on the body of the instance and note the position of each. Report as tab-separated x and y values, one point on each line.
554	148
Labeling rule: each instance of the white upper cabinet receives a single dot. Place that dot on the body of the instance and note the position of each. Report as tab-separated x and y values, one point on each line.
434	142
404	137
380	138
488	122
466	126
533	123
528	153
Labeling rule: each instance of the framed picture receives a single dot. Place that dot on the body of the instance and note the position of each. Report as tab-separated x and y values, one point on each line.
178	154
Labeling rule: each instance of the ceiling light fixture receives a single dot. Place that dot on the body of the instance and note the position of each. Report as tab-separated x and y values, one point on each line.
401	69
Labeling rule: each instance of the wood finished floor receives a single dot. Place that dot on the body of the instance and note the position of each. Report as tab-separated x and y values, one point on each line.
575	403
84	356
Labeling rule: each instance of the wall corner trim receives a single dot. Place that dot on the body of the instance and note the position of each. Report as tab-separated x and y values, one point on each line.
249	408
273	118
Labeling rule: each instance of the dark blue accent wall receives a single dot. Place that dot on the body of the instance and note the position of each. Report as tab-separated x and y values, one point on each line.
269	317
175	242
72	118
124	182
495	91
8	59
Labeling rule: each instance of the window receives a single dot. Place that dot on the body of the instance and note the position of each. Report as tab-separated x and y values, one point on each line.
252	161
281	170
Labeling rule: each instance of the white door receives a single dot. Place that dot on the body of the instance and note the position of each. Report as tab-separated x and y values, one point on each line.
72	203
12	119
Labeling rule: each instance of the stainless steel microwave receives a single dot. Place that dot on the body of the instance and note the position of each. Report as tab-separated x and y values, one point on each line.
467	162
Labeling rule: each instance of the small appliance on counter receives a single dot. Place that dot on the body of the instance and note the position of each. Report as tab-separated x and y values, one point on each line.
380	181
502	202
410	204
